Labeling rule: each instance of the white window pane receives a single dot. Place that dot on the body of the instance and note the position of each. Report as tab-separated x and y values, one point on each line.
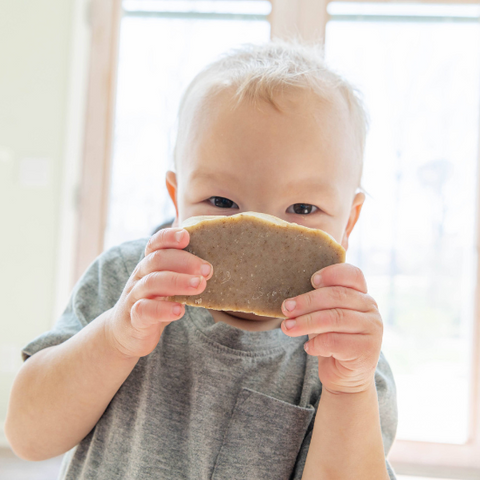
415	238
158	58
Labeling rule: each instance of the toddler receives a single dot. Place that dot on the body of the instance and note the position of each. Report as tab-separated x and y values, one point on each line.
131	386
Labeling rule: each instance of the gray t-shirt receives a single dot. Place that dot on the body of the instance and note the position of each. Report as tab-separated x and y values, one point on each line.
210	402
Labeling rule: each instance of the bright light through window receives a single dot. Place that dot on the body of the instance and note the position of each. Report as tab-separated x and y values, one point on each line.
415	240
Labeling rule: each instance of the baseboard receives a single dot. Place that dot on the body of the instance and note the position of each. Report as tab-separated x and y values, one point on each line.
435	471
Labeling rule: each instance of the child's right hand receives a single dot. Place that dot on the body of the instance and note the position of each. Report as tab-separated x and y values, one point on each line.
141	313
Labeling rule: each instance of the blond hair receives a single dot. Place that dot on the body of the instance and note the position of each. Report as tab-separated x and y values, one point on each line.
261	72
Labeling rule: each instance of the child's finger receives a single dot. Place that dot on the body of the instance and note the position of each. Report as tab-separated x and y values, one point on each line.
342	274
168	238
343	346
332	320
164	284
174	260
328	297
147	312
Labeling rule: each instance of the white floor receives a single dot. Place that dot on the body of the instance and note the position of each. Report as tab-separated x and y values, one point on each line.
408	477
14	468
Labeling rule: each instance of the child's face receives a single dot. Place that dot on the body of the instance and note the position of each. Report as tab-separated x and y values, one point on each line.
299	165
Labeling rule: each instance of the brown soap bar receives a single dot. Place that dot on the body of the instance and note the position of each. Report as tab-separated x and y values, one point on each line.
258	261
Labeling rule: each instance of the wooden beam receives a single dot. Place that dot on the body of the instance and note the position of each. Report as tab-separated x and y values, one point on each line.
105	18
303	19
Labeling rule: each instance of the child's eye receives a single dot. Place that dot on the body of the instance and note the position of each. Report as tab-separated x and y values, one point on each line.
302	208
222	202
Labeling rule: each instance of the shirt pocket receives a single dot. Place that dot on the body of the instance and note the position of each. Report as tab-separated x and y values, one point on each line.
263	438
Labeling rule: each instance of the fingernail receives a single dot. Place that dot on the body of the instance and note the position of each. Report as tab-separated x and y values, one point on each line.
176	309
179	235
290	305
205	269
290	323
305	346
317	279
195	281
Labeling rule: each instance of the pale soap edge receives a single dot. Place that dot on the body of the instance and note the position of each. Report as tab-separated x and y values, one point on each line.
265	218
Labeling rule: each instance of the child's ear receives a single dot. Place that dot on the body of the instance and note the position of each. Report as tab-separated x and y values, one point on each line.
357	204
171	182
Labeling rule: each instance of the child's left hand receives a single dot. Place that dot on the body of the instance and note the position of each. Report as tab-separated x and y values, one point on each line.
344	328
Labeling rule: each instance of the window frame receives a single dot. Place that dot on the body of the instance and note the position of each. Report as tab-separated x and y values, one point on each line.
305	18
94	188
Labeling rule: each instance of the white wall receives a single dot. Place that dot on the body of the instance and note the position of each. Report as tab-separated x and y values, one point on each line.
43	65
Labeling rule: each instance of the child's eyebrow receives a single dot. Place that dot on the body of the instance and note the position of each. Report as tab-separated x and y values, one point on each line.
213	175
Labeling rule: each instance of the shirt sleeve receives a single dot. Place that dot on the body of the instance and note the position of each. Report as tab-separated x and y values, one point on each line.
97	291
387	402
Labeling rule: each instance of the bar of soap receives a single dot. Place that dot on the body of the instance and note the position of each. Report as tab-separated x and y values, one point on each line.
258	261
